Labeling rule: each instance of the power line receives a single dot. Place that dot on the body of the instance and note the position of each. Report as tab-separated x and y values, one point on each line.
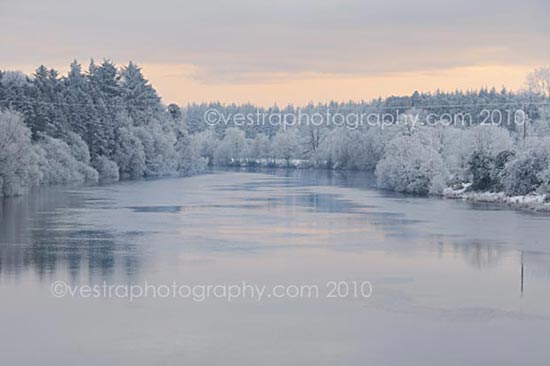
123	105
64	103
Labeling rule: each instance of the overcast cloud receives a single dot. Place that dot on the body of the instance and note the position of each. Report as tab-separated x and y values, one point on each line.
232	42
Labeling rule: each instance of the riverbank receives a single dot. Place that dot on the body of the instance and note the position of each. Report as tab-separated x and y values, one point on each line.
534	202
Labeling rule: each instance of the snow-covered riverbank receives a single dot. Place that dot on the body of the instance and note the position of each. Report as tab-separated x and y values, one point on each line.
535	202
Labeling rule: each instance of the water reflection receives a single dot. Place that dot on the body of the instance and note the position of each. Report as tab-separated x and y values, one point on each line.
479	255
445	277
40	232
103	232
308	177
311	201
484	256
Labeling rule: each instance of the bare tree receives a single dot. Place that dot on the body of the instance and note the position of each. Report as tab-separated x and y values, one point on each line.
538	81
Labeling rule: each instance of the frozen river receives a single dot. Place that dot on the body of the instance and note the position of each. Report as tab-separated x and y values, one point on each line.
451	282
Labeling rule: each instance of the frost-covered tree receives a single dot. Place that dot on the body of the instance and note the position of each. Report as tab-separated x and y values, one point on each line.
188	158
205	144
336	151
107	169
527	173
159	148
18	160
488	140
481	166
78	147
456	153
541	126
411	167
483	145
128	154
538	81
16	92
544	178
232	148
58	165
312	137
138	96
47	93
286	145
78	103
259	147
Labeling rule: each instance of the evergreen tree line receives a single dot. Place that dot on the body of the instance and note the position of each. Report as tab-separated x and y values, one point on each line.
104	123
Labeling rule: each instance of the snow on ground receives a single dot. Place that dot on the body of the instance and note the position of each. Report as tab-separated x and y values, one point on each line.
533	201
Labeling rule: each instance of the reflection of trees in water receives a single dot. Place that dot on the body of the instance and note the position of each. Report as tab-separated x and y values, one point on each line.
39	232
478	254
481	255
315	202
317	177
73	250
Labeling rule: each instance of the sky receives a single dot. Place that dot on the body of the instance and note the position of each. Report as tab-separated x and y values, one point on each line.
286	51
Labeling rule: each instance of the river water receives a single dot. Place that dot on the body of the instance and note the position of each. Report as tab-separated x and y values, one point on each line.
449	282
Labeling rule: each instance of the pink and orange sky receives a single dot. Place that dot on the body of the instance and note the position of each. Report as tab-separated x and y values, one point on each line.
289	51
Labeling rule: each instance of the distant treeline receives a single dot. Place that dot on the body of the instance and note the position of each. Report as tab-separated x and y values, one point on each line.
109	123
481	106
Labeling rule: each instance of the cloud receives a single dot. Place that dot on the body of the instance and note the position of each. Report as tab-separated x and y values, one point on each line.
179	84
243	42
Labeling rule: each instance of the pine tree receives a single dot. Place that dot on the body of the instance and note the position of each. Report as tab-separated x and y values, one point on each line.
138	96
